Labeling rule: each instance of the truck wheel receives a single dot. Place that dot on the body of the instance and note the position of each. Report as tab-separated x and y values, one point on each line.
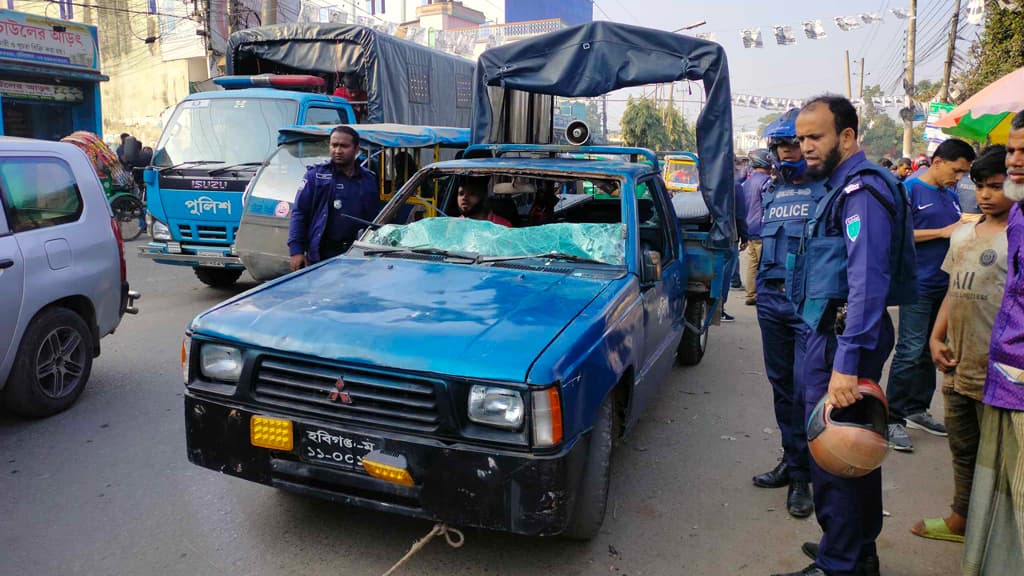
592	495
692	346
218	277
52	365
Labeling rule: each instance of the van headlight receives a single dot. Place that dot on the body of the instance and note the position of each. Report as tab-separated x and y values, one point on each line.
498	407
160	230
222	363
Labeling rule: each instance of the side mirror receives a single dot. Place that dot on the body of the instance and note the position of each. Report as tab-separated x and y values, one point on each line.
651	267
149	177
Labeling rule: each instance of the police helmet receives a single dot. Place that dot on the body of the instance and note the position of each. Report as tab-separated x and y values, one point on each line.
760	158
850	442
783	130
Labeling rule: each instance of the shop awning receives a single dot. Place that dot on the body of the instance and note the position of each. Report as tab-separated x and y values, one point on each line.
57	72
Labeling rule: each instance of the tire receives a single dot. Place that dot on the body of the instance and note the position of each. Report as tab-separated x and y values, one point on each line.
693	345
52	366
592	495
128	211
218	277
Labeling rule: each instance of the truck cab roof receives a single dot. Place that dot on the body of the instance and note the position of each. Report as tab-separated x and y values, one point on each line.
266	93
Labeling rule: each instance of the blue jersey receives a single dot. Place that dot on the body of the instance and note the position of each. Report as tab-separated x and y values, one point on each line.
932	208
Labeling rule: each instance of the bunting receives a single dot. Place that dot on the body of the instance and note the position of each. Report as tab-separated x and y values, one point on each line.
976	12
847	23
814	30
784	35
751	38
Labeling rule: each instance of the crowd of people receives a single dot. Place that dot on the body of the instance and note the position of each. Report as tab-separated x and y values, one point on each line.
833	242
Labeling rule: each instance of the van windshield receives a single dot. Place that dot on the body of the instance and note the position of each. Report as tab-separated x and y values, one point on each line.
282	175
228	130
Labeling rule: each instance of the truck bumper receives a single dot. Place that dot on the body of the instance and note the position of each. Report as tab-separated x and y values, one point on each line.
188	256
456	484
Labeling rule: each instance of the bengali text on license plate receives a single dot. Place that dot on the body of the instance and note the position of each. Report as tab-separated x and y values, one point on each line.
337	448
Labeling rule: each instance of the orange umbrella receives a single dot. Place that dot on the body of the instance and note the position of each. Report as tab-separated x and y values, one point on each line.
987	114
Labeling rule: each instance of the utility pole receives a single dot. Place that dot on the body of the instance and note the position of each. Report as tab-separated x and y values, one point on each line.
908	82
950	51
849	93
269	15
861	87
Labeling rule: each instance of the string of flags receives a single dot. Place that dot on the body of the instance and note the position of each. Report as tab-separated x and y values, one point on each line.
782	104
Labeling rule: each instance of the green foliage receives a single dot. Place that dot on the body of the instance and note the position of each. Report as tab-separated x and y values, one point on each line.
681	136
881	133
999	51
595	122
927	90
647	126
765	120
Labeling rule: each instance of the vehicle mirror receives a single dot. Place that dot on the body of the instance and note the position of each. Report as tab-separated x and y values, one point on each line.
651	267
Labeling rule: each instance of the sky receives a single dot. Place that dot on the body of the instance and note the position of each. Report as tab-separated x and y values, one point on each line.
809	67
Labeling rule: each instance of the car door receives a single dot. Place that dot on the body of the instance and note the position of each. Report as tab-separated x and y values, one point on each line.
12	279
663	297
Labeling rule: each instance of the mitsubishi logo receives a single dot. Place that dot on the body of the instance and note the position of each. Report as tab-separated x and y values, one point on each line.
340	395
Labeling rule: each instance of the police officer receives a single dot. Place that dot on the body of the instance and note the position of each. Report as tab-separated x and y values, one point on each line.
319	228
856	257
788	203
753	190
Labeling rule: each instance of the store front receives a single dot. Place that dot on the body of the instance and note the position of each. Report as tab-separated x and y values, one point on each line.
49	77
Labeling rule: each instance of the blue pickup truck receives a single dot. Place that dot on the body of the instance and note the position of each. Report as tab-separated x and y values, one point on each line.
210	149
450	368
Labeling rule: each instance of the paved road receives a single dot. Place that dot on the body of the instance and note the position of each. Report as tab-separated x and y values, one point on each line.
105	488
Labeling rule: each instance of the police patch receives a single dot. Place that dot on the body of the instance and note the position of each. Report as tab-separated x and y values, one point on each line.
853	227
852	188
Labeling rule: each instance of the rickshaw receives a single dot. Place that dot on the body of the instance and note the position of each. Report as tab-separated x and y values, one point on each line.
680	172
392	151
118	184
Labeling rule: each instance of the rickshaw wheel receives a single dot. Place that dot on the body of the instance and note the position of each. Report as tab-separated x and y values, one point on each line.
128	212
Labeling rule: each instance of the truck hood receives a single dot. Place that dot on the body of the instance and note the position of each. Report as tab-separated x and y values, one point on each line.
435	317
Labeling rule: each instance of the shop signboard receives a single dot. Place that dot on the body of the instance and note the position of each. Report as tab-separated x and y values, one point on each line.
38	40
31	91
932	133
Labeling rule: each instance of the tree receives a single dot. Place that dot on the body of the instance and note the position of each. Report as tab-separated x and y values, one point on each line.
882	134
999	51
681	136
595	122
643	126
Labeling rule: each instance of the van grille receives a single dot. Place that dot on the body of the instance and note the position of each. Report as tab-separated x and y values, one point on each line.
375	398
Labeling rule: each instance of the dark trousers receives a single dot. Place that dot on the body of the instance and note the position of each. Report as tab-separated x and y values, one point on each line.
784	343
731	268
849	510
963	422
912	374
331	248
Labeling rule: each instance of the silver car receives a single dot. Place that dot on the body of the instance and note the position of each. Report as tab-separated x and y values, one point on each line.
62	274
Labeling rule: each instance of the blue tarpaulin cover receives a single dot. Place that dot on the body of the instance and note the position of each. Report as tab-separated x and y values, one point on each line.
596	58
386	135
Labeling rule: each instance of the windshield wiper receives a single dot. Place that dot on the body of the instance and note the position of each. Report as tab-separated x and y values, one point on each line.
546	256
234	166
181	165
385	250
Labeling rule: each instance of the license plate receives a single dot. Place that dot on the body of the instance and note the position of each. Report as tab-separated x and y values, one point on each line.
341	449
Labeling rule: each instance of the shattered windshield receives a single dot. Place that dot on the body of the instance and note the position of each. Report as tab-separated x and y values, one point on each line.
506	217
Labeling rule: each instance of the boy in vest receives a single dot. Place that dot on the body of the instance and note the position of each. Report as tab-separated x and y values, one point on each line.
788	203
856	257
936	212
994	541
976	264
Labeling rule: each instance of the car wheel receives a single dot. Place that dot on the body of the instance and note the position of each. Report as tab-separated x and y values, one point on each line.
52	366
128	213
218	277
592	495
693	344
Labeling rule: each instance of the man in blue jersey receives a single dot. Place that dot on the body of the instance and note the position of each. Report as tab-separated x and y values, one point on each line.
936	212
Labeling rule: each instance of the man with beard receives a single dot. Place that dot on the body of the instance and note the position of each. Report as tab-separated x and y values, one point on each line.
788	203
994	541
936	212
331	191
473	203
856	257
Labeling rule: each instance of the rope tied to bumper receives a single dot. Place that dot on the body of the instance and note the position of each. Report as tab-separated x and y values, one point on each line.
453	536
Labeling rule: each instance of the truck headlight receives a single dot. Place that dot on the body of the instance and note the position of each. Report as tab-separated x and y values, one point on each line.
499	407
220	362
160	231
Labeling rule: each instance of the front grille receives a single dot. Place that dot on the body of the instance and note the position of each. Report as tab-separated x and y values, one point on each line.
185	230
211	232
377	398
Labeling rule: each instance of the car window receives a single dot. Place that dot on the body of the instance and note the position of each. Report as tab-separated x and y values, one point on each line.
38	192
320	116
654	216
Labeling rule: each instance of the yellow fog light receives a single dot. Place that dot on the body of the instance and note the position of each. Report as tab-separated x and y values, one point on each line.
273	433
387	467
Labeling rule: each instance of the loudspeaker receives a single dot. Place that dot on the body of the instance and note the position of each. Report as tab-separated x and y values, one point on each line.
577	133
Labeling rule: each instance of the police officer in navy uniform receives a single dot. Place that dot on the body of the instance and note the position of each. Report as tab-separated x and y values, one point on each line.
856	257
788	203
331	191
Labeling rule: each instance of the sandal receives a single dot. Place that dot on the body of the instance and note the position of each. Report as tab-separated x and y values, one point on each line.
936	529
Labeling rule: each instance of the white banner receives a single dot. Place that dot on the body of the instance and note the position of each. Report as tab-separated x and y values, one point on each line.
814	30
751	38
784	35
